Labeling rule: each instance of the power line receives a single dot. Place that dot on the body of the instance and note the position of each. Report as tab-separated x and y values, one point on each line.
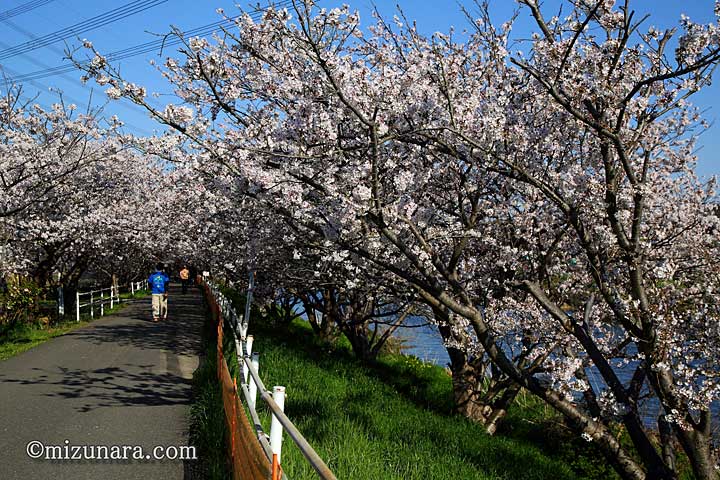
40	86
24	8
79	28
129	106
142	48
122	54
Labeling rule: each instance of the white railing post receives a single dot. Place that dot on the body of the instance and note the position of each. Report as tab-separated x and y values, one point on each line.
248	351
102	303
77	306
255	361
275	401
92	307
276	429
132	288
239	353
243	327
61	301
248	297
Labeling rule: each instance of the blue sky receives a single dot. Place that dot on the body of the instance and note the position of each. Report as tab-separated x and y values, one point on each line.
431	16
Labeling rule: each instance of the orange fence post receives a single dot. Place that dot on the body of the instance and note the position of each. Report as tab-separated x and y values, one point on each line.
275	468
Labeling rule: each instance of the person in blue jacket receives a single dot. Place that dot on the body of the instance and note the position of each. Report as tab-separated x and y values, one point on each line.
159	283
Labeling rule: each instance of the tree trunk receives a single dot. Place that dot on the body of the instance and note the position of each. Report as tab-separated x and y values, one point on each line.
359	339
625	465
477	393
666	441
323	327
696	444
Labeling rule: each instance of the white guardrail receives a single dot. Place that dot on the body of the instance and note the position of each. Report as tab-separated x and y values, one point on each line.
252	385
104	296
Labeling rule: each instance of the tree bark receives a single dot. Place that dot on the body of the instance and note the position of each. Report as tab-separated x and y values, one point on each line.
324	326
477	393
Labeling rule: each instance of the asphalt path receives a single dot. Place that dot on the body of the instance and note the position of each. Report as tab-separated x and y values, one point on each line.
121	381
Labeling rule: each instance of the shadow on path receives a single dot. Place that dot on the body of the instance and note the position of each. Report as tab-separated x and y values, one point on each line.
125	385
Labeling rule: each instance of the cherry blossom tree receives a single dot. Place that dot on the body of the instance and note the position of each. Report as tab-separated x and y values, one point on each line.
542	205
76	196
45	154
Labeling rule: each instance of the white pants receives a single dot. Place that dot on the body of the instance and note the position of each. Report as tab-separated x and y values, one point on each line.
159	305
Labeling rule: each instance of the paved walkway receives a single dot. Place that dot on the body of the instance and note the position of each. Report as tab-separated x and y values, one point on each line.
123	380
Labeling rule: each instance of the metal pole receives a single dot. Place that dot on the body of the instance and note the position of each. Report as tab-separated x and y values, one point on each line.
112	291
261	436
77	306
248	351
239	353
255	361
243	328
102	303
248	299
276	429
61	301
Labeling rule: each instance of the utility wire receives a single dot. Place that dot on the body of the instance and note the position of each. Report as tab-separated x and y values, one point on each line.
24	8
147	47
129	106
40	86
140	49
79	28
152	46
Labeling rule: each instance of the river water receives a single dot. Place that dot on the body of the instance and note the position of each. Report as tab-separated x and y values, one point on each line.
424	342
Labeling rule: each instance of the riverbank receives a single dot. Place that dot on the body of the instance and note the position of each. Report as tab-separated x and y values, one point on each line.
394	420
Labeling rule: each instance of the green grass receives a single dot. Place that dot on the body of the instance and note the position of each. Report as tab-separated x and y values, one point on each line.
395	420
389	422
207	421
22	337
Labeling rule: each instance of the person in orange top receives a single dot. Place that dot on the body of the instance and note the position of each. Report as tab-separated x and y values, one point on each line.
184	278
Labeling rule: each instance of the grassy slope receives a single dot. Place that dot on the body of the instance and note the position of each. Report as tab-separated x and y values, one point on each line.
23	337
389	422
207	420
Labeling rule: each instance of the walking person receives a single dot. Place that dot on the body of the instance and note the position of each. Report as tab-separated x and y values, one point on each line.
184	278
159	283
